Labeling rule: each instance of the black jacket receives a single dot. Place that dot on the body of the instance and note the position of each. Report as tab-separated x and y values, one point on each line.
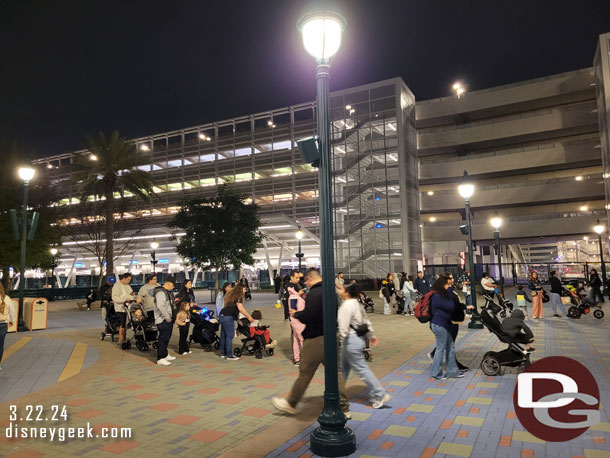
595	281
311	315
514	325
555	285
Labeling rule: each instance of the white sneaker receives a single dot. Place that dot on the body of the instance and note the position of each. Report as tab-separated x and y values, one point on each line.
232	358
185	353
223	357
380	402
283	405
190	351
170	358
430	356
164	362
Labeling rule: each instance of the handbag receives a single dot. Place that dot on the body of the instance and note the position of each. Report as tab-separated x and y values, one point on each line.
363	328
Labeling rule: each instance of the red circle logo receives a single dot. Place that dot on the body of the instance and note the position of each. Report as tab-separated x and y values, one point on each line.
557	399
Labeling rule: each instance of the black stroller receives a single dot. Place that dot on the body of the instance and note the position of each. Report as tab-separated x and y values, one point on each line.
367	302
205	328
144	329
513	356
497	307
253	344
111	320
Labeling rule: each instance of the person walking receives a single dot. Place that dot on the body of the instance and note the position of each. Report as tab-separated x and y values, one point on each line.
464	280
410	295
164	317
7	318
421	284
556	291
296	302
234	304
388	289
441	308
596	283
144	293
354	328
536	288
339	281
121	294
312	353
220	297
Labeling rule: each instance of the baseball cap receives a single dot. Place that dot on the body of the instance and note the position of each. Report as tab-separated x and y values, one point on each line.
111	279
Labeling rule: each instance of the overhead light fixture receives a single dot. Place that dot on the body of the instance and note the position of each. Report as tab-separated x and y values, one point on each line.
348	107
432	219
583	208
93	157
578	178
49	166
144	147
430	193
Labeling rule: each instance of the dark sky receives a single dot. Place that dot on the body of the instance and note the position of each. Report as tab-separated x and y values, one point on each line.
70	68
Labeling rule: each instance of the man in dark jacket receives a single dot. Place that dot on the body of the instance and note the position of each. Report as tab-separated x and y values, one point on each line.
312	353
421	284
556	290
596	284
514	326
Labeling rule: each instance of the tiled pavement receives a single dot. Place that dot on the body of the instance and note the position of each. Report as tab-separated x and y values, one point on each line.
208	407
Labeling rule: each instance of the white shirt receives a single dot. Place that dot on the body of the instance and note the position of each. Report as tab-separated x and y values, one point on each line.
488	283
120	294
351	313
9	311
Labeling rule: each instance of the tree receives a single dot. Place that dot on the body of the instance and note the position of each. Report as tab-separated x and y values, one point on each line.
111	168
41	196
221	232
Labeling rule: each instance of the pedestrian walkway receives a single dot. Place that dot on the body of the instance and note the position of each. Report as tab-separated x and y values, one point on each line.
474	416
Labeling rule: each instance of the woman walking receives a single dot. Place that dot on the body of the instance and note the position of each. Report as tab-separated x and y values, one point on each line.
410	294
556	290
7	318
296	302
354	327
388	289
441	308
536	288
234	304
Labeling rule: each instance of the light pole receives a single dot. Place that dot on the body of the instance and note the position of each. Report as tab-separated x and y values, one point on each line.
599	228
53	265
155	246
458	88
26	174
496	222
466	190
299	235
321	31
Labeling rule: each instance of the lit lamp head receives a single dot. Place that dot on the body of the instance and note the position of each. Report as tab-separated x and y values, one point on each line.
598	228
321	31
466	186
26	173
299	234
154	245
496	222
53	251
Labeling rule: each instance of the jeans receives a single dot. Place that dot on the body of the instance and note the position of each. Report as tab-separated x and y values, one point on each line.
444	345
165	333
556	302
3	332
352	357
183	346
386	306
227	333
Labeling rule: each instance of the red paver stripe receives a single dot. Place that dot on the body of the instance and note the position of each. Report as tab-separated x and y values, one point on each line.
97	429
446	424
119	447
25	454
418	393
183	420
229	400
121	379
599	440
462	433
511	415
208	390
164	406
306	455
387	445
255	412
294	447
375	434
442	384
428	452
460	403
474	410
190	382
400	410
470	387
244	378
132	387
266	385
527	453
208	436
91	413
484	392
428	398
226	371
147	396
78	402
175	375
505	441
411	418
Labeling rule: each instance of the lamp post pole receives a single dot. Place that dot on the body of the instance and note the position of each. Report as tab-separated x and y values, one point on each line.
299	235
499	248
24	235
599	228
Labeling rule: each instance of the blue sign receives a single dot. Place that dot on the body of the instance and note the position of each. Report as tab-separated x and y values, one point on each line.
135	261
163	261
78	264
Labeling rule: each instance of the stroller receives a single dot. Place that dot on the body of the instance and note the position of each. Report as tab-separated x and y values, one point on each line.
367	302
498	307
144	330
513	356
205	328
581	305
111	321
254	341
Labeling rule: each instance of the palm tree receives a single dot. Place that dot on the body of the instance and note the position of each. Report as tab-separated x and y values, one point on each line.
112	168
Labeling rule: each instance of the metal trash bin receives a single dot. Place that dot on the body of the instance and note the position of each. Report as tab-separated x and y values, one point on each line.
35	313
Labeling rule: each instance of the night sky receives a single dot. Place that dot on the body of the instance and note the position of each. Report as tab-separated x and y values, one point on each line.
70	68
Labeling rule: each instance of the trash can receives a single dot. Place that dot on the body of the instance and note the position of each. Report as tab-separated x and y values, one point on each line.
35	313
13	328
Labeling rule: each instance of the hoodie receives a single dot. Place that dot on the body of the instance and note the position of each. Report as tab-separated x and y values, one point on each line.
515	325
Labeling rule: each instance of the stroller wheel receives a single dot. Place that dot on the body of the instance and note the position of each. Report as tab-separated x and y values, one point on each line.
216	345
237	352
102	335
367	355
599	314
270	352
154	345
503	314
258	354
206	347
573	312
490	365
126	345
251	349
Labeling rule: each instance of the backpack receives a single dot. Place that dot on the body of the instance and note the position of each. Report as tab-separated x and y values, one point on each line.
422	309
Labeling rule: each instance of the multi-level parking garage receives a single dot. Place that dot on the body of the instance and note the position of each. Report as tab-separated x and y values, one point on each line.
533	147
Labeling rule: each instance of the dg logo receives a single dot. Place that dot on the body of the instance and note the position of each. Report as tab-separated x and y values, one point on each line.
557	399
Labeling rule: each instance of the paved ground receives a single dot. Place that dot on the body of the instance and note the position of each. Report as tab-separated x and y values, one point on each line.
205	406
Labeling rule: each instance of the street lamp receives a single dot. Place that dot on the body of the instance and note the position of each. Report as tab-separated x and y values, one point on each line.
496	222
155	246
466	190
53	252
321	31
26	174
599	228
458	88
299	235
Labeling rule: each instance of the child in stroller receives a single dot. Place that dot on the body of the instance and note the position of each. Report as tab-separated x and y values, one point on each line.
205	328
581	304
367	302
257	339
144	330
